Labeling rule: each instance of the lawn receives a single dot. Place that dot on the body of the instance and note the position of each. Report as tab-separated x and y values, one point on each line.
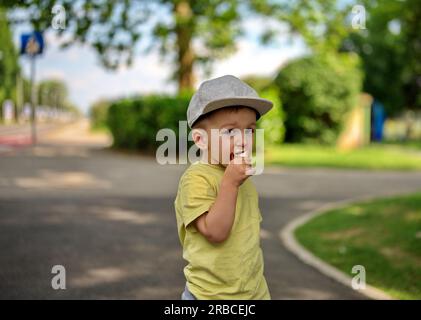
416	144
382	235
386	156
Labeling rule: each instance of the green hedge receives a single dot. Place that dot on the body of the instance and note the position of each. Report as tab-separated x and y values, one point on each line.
98	113
134	122
273	121
316	93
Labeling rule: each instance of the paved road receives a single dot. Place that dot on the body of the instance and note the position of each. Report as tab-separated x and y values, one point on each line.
108	218
19	135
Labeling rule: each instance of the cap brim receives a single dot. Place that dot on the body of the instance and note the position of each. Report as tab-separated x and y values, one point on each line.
259	104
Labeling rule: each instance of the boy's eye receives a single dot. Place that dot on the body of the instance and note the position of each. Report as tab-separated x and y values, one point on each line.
228	132
232	131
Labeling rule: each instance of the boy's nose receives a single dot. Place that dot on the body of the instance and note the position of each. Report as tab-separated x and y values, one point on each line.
244	140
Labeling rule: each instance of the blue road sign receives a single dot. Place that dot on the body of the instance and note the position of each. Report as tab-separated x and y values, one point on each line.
31	43
378	119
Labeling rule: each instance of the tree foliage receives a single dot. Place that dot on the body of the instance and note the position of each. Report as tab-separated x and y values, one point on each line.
187	32
9	67
390	48
53	93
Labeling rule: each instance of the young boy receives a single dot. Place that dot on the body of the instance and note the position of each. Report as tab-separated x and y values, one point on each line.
217	210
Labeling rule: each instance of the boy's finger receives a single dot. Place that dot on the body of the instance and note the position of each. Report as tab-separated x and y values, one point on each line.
238	159
247	157
242	157
250	171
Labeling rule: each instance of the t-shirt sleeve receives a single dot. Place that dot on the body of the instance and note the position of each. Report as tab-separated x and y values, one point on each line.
197	196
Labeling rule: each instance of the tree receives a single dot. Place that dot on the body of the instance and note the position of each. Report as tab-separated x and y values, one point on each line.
318	90
197	31
323	24
390	49
53	93
411	26
9	67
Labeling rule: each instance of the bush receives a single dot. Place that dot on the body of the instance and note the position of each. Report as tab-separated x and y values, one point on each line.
316	93
273	121
98	113
134	122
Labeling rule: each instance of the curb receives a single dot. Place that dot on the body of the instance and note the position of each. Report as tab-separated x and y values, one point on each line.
288	239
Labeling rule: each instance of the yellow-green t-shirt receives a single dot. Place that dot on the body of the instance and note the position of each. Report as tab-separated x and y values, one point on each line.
232	269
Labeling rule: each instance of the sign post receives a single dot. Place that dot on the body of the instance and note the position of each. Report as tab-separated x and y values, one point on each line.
32	45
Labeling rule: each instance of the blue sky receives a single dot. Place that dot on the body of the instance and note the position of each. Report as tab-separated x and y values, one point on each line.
88	81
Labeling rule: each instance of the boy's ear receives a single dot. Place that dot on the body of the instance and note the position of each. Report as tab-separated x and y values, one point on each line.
200	138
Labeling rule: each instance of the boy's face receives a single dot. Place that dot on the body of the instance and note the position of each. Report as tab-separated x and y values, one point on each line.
234	128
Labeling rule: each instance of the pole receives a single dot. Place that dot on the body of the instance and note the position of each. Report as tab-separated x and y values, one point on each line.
19	99
33	102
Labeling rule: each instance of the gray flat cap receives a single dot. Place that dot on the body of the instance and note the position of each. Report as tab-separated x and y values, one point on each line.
223	92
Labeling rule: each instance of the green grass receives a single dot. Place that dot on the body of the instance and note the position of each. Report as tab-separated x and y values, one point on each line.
372	157
415	144
382	235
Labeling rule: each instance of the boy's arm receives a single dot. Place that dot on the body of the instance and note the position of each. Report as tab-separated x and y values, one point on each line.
216	223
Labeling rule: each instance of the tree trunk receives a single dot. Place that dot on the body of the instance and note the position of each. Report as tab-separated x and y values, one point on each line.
185	55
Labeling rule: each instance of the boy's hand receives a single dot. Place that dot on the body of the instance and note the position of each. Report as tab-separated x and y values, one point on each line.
238	170
216	224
